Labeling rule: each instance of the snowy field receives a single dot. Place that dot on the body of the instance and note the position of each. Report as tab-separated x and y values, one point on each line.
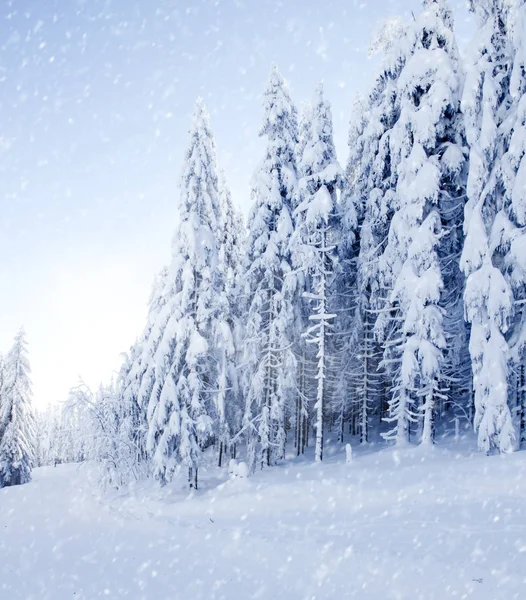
401	524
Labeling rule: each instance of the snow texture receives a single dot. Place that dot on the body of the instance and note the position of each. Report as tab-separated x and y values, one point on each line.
398	524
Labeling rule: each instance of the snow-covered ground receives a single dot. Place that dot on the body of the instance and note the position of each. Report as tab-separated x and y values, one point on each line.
401	524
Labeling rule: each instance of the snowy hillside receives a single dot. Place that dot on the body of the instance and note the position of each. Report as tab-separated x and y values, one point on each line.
400	524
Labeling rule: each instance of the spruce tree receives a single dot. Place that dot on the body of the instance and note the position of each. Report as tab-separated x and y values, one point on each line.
17	426
509	228
314	243
182	409
488	296
137	375
231	255
427	151
305	360
363	229
368	205
269	361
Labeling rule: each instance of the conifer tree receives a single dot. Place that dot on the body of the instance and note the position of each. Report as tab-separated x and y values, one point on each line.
137	375
513	215
363	230
314	242
269	361
368	204
231	255
426	144
17	426
488	296
132	426
182	410
300	416
140	379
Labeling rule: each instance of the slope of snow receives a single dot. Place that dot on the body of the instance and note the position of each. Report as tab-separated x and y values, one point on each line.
393	524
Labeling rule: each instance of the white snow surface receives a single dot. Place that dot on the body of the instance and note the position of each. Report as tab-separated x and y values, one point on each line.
400	524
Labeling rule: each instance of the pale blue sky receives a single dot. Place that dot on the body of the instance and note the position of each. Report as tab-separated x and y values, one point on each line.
95	103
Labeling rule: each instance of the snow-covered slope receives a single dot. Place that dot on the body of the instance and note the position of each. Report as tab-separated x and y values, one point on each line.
393	524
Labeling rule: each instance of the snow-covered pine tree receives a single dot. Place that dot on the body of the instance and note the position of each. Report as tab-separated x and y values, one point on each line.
269	361
132	425
360	380
509	229
17	426
182	409
488	296
427	152
138	380
314	242
455	397
367	211
136	377
231	256
305	359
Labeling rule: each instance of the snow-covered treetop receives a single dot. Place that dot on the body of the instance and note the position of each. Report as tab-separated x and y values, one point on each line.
232	231
303	131
199	198
17	369
387	34
356	171
318	187
274	183
319	152
441	8
318	164
430	83
199	183
498	9
17	394
280	120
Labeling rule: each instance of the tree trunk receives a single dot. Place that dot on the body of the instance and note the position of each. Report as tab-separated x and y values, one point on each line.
364	421
429	411
220	454
402	431
192	477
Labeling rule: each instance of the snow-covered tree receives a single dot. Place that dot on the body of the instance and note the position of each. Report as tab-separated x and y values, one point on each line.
427	151
230	327
98	424
48	433
136	379
17	426
269	363
315	239
368	205
305	359
363	229
182	409
132	412
489	295
508	234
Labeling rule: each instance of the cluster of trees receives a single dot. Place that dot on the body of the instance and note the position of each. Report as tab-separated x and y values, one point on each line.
17	423
387	298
